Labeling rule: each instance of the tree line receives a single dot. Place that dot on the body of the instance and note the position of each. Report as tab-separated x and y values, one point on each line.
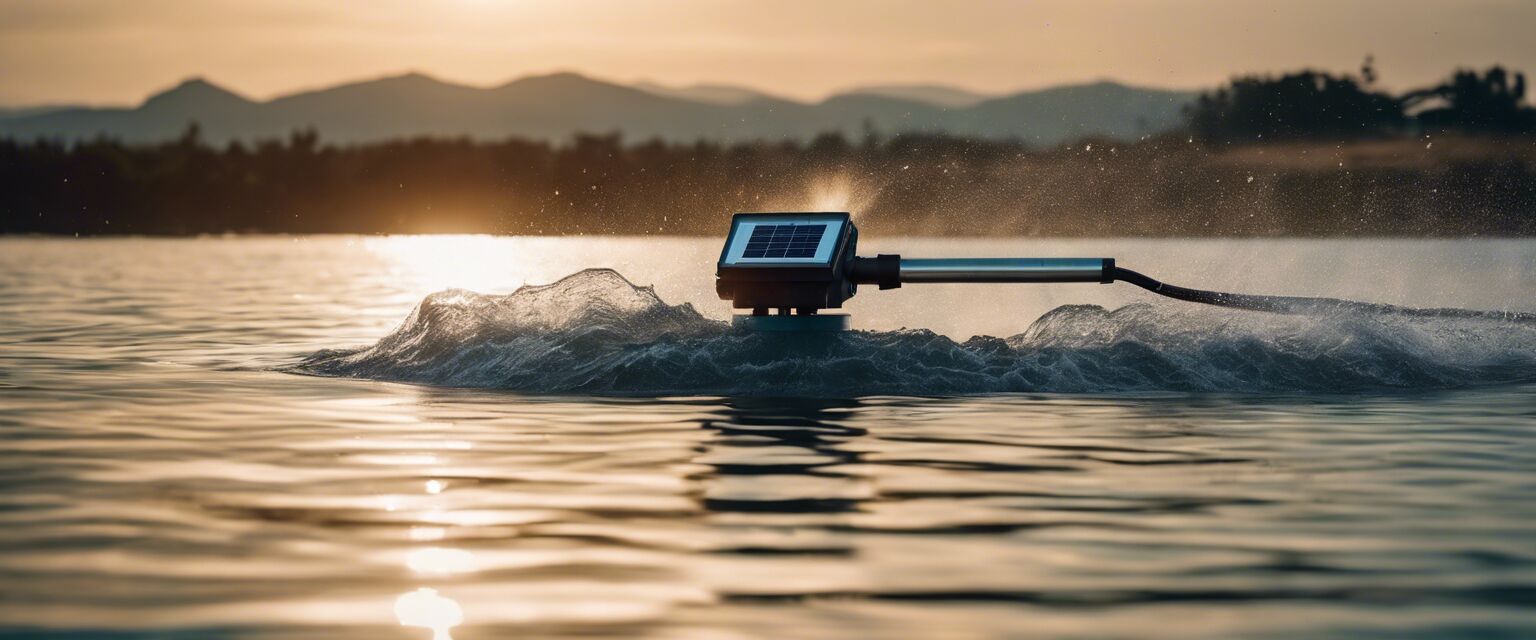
1317	104
1298	180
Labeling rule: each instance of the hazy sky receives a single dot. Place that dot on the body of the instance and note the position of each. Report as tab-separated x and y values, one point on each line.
118	51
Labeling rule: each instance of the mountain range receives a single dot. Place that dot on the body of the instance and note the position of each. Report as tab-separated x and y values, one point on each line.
555	106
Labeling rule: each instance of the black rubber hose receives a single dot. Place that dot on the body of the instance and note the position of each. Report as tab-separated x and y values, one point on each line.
1297	305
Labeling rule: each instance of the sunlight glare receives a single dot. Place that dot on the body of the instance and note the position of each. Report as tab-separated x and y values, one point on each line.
440	561
428	534
839	192
425	608
434	263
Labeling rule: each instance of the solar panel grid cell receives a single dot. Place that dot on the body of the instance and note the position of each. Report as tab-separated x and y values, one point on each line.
784	241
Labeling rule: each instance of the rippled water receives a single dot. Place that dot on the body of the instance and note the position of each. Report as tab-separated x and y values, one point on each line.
1152	469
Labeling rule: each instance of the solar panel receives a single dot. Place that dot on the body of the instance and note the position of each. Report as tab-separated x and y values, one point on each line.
784	241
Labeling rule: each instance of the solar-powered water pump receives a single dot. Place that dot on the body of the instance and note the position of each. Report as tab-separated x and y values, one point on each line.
788	267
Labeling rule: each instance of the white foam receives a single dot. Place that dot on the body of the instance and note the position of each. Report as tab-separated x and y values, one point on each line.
595	332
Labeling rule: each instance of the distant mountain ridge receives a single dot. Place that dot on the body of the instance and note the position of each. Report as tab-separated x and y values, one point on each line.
711	93
555	106
934	94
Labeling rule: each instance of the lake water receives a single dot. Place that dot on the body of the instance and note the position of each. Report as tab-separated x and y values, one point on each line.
257	437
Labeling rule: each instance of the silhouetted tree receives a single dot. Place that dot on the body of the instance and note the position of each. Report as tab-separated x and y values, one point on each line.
1492	102
1304	104
1368	71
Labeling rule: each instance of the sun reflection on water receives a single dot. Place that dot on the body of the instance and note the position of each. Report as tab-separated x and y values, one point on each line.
477	263
428	534
440	561
424	607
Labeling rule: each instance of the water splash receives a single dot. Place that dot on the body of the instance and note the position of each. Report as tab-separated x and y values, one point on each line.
832	191
595	332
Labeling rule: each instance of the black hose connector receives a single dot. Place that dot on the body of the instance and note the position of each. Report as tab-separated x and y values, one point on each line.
883	270
1302	305
1272	304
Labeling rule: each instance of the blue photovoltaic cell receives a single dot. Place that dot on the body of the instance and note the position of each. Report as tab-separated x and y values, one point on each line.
784	241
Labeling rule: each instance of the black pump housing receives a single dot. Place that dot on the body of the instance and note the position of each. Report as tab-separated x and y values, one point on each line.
803	285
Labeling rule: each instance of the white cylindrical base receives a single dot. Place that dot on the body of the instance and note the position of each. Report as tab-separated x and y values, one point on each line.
813	323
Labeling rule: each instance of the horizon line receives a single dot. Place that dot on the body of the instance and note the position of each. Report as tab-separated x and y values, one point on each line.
632	84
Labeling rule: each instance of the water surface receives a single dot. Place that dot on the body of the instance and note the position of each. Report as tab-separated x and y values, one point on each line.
1131	469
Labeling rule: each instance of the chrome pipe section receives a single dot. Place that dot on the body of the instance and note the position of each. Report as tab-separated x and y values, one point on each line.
1007	270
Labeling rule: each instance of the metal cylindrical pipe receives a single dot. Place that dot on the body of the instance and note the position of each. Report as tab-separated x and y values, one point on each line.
1006	269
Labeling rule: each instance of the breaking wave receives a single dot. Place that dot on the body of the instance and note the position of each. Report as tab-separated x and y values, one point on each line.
596	333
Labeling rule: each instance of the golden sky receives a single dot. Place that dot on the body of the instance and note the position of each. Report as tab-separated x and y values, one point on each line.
118	51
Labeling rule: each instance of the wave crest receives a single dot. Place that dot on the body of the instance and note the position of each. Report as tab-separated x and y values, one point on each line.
595	332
